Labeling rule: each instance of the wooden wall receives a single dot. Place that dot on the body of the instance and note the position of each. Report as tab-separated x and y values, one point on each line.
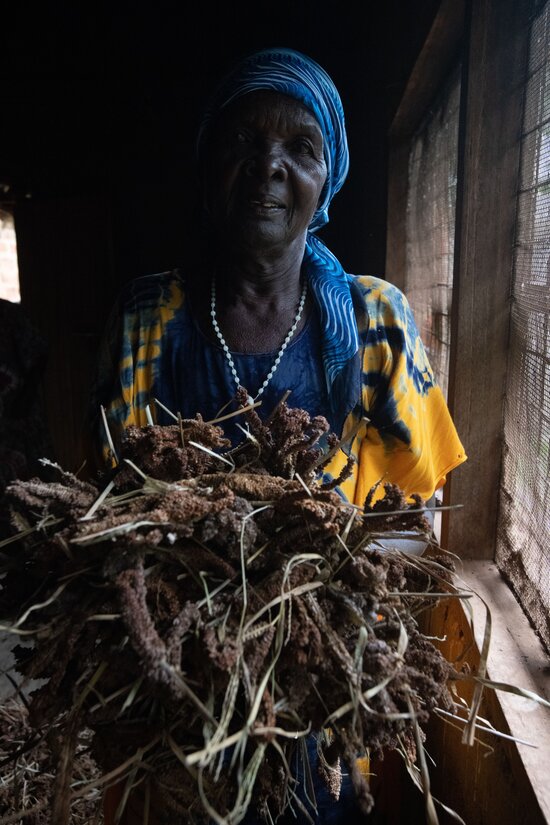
65	254
486	784
490	37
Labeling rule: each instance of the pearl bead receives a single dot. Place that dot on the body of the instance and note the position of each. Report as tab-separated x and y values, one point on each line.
284	345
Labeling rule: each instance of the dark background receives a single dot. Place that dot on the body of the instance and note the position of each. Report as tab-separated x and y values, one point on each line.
100	99
100	106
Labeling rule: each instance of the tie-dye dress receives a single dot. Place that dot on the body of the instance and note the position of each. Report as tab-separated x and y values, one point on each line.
385	393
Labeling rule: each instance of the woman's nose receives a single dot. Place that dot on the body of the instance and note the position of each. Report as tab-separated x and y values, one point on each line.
268	161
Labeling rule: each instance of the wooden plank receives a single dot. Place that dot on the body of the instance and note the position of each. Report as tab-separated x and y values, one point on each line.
67	286
509	784
396	245
437	58
488	169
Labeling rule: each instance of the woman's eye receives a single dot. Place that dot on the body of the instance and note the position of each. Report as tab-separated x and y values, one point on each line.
303	147
241	138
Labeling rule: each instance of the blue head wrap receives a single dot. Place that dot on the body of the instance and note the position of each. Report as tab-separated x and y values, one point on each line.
292	73
296	75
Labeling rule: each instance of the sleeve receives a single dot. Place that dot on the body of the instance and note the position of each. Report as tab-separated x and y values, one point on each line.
410	438
109	408
128	361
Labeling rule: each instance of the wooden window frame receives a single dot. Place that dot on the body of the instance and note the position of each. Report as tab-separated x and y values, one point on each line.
489	38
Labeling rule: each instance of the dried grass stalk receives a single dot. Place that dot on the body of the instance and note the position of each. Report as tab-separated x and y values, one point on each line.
193	619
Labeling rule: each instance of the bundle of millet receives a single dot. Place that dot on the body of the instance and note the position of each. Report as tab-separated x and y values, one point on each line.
203	608
25	781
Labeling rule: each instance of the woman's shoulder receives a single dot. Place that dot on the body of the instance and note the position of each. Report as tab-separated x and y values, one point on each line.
152	290
372	286
382	298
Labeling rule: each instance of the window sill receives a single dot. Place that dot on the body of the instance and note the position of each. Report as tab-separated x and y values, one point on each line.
516	657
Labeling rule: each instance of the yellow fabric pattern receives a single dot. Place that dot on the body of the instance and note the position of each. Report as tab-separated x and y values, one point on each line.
131	349
401	427
405	433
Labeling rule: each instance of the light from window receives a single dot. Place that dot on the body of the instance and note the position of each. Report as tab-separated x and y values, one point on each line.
9	272
523	545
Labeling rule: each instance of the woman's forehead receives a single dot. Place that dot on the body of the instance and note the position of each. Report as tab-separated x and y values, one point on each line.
263	104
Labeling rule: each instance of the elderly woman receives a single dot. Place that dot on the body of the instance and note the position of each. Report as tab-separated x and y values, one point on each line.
269	308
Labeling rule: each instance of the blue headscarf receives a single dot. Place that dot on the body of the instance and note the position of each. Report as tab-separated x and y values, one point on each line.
292	73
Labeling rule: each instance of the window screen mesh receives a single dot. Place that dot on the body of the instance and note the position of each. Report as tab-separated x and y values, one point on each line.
523	551
431	225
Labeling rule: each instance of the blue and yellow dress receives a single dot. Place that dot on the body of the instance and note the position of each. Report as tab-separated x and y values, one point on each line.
359	361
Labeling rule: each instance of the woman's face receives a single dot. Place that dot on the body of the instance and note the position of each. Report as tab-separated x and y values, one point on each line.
265	171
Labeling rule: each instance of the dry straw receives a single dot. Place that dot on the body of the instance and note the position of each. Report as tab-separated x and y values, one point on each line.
199	612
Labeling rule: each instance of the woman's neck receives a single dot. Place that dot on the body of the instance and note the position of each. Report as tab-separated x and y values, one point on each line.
257	295
260	275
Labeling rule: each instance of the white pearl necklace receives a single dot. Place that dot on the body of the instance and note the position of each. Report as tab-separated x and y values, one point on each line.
284	345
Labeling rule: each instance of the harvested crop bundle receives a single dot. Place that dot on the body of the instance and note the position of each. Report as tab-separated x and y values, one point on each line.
203	609
27	780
